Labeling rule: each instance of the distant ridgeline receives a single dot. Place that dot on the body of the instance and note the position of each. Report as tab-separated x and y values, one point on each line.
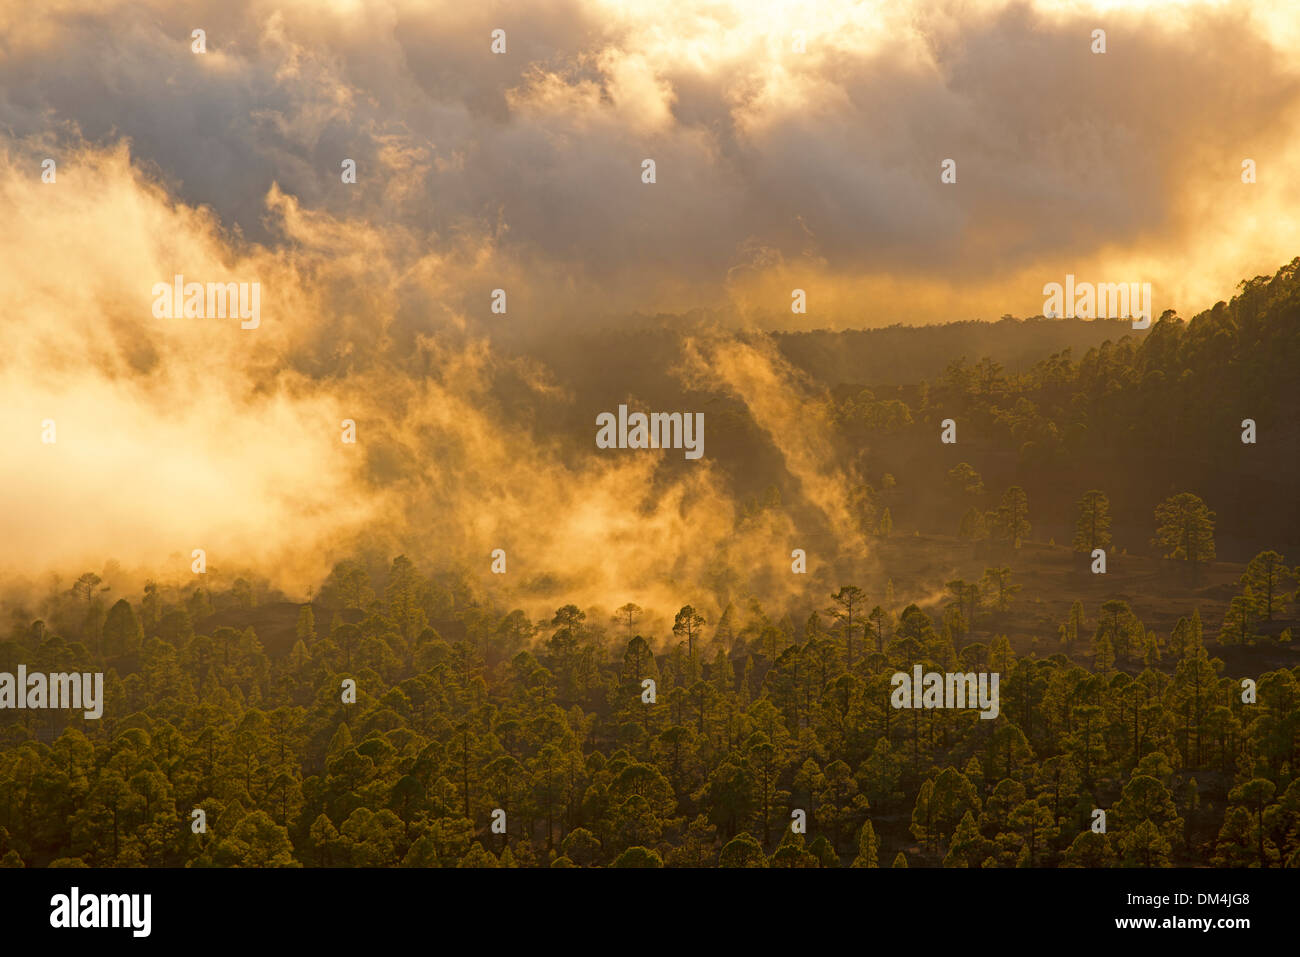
1207	404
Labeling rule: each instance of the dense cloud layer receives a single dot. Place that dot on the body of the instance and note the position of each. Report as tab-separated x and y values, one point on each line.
775	168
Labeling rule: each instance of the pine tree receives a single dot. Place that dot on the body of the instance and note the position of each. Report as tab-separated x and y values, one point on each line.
1089	849
1185	527
848	600
996	584
1013	516
968	847
1092	527
1239	621
974	526
1180	639
1266	577
627	616
306	629
1255	796
1074	626
1103	654
868	847
1235	846
686	626
1145	846
122	634
1036	825
1122	628
923	814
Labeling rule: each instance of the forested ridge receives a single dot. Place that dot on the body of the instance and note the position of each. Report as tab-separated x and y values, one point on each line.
1144	416
231	699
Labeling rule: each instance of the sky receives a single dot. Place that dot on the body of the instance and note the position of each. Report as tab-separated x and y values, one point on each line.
795	145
